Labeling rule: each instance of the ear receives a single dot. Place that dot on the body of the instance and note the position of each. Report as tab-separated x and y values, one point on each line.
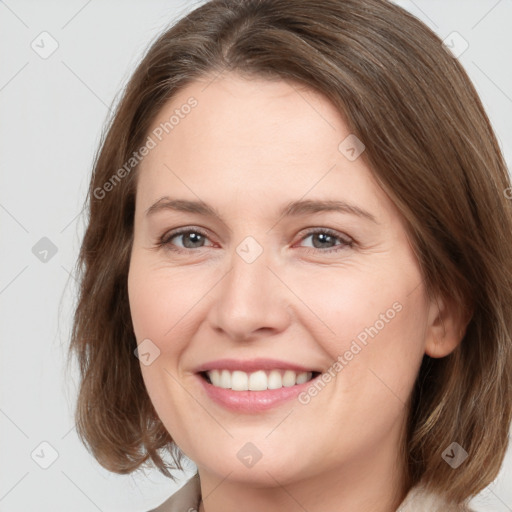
445	329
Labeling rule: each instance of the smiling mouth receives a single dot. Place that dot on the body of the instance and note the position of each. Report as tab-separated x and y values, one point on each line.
260	380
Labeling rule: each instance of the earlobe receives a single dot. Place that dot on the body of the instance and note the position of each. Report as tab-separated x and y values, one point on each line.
445	329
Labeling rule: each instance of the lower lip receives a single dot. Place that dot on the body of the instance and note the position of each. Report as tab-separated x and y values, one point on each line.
252	401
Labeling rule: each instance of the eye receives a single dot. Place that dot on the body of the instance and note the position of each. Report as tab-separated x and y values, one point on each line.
191	238
187	239
326	240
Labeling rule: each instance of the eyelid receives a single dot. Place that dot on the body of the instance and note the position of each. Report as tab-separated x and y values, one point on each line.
345	240
304	233
169	235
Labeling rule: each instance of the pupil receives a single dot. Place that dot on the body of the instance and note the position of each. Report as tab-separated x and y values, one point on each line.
323	237
194	237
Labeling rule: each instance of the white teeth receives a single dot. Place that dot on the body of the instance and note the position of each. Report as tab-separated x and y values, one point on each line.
257	381
289	378
239	381
274	380
302	377
225	379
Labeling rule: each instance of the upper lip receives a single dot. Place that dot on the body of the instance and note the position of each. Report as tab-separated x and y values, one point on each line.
252	365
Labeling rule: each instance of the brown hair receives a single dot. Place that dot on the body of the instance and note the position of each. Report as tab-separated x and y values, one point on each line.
429	144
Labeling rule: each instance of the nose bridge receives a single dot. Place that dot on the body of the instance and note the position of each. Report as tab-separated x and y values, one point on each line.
250	298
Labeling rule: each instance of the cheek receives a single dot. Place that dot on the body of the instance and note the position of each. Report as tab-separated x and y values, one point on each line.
343	304
371	323
161	303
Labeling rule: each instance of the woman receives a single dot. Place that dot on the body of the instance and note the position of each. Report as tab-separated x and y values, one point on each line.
297	266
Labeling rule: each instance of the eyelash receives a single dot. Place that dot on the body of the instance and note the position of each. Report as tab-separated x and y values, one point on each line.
165	239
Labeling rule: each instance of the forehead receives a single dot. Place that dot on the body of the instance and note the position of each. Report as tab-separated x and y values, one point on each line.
251	118
266	138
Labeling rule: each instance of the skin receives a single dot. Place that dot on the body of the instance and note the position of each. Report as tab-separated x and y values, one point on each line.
248	148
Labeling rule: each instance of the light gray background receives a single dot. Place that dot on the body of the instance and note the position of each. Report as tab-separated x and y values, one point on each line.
52	113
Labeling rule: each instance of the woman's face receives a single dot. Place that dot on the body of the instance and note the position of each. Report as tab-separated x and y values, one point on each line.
293	262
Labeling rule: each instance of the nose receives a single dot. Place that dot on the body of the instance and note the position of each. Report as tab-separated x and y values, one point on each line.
250	301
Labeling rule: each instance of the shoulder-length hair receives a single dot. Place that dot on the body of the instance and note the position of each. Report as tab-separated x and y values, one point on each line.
431	148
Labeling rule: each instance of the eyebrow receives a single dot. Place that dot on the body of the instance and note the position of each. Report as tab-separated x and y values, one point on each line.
292	209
